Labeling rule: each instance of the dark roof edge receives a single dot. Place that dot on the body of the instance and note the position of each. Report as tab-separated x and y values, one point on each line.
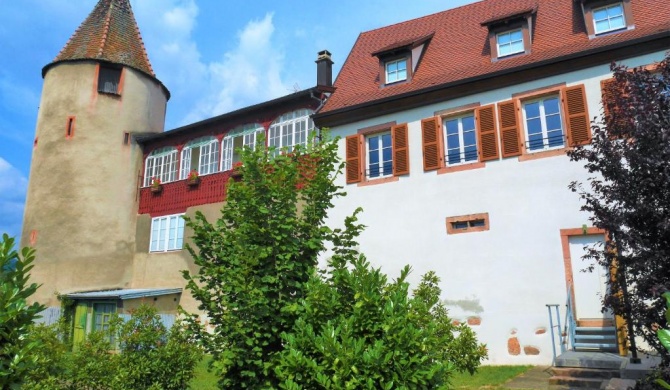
142	139
46	68
320	116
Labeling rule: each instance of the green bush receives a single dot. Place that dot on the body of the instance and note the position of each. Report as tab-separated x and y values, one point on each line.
149	357
358	331
16	316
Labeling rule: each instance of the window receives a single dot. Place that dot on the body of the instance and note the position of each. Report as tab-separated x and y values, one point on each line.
380	155
201	155
605	16
167	233
461	145
69	127
377	152
109	80
544	124
609	18
465	136
510	42
161	164
242	136
290	129
468	223
102	316
551	118
396	70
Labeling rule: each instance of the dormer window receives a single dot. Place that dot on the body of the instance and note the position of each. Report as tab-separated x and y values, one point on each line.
510	42
396	70
609	18
511	34
603	17
399	61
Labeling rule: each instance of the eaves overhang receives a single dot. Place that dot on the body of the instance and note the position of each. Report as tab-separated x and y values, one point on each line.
314	92
46	68
123	294
506	77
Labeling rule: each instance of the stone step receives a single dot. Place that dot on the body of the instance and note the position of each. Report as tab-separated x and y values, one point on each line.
576	372
581	383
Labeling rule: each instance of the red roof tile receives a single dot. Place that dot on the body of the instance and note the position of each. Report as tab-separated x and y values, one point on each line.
109	33
459	49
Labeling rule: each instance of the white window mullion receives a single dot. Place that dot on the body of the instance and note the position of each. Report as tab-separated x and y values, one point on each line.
185	163
227	154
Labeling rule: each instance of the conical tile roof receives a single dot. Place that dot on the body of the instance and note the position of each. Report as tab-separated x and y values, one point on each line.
109	33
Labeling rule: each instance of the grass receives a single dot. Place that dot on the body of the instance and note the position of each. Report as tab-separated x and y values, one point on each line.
486	377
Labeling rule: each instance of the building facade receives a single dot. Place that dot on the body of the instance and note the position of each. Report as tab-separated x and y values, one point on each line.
455	128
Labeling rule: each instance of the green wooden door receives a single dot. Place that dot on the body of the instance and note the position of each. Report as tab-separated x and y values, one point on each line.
80	321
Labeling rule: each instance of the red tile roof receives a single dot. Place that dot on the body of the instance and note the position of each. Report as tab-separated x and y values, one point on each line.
109	33
459	49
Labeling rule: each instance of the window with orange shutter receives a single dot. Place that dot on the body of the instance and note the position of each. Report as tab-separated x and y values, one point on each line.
377	152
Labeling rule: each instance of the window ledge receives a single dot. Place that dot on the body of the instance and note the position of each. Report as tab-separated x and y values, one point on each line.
165	252
462	167
544	154
378	181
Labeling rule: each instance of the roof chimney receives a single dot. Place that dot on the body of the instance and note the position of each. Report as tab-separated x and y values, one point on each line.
324	69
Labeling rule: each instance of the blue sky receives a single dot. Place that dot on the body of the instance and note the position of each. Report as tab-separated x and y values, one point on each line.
214	56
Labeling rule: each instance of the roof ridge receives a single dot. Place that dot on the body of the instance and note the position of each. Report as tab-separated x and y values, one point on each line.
105	30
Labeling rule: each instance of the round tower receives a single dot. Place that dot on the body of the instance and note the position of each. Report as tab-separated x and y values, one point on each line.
82	196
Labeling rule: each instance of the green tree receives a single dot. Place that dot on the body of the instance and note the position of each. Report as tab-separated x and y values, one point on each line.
277	322
255	261
628	195
16	315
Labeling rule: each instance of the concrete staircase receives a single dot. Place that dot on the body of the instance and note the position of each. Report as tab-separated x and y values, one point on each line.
595	338
597	370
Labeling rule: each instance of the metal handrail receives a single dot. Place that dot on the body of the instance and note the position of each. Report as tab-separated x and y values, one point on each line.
570	323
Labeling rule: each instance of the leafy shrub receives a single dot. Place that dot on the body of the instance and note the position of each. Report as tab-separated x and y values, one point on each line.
150	357
16	316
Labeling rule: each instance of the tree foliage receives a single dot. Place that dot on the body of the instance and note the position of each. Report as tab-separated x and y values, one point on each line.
628	194
359	331
277	322
16	315
254	262
150	357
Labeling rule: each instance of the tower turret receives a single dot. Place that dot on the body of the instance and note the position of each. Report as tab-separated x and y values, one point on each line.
82	197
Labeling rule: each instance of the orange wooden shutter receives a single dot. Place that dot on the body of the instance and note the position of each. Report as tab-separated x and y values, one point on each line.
353	159
431	135
400	150
577	115
486	131
510	137
608	94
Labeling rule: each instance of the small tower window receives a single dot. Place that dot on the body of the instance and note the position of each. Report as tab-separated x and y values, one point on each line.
69	127
109	80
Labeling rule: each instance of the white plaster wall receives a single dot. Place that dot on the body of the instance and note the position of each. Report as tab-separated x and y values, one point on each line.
511	271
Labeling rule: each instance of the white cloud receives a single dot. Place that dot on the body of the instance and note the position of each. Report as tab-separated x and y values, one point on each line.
13	187
248	74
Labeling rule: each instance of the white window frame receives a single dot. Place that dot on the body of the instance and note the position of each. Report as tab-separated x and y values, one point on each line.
161	164
394	75
510	43
609	19
250	134
382	172
543	123
461	139
167	233
208	157
290	129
